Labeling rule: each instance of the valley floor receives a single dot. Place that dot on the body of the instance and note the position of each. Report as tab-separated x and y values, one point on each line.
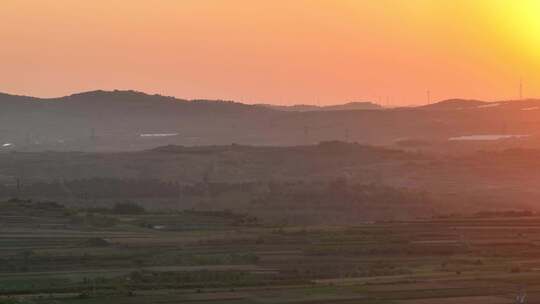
213	257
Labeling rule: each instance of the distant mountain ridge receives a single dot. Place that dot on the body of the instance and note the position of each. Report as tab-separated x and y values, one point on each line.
128	120
454	104
109	96
141	96
468	104
362	105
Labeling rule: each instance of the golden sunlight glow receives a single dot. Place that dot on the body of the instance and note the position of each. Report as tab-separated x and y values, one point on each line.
277	51
520	21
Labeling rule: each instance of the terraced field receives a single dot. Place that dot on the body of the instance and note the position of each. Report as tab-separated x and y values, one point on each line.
50	254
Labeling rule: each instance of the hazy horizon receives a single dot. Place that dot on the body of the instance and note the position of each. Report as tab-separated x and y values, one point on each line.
269	151
254	102
278	52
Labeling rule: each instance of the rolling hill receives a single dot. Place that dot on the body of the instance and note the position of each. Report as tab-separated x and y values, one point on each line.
233	176
129	120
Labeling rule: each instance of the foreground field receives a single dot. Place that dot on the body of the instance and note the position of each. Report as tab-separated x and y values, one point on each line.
50	254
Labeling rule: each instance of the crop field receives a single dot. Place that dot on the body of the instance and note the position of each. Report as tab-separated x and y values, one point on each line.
52	254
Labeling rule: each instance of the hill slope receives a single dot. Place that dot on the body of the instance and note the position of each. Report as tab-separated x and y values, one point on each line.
222	177
129	120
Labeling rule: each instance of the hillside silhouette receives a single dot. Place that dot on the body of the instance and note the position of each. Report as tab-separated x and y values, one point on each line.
130	120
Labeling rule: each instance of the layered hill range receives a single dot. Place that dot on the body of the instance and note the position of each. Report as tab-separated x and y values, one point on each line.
327	183
129	120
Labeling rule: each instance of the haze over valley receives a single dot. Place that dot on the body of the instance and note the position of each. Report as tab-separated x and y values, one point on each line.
270	152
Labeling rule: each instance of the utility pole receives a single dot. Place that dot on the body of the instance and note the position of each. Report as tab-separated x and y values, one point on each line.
521	88
28	139
428	96
179	191
93	134
19	186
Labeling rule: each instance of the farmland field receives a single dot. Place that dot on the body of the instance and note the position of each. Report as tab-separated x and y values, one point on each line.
53	254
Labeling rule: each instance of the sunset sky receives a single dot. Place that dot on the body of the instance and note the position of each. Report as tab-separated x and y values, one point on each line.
273	51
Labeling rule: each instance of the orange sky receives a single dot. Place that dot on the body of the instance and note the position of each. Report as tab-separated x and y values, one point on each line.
274	51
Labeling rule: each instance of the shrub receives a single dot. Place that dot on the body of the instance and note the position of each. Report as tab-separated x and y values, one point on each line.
128	208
